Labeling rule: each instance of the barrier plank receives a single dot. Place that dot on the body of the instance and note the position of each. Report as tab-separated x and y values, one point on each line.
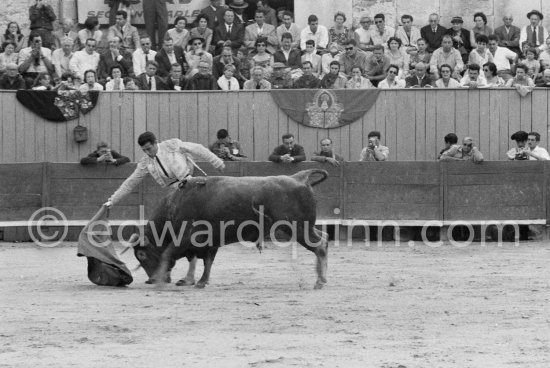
420	126
127	126
116	120
433	142
405	127
525	113
391	124
462	111
140	121
494	127
474	115
539	116
484	121
203	108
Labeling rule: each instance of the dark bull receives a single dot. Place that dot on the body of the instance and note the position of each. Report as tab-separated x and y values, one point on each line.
211	212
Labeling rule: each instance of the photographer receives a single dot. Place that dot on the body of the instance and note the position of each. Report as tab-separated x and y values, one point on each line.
35	59
42	17
466	152
520	152
374	151
106	155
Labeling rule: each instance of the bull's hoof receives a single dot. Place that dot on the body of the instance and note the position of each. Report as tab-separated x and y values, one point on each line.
318	285
185	282
200	285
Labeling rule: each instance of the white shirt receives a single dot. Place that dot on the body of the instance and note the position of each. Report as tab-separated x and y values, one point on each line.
61	62
26	53
138	60
402	35
541	152
320	37
396	84
523	36
110	85
228	84
172	58
502	58
383	38
82	61
85	87
152	82
481	82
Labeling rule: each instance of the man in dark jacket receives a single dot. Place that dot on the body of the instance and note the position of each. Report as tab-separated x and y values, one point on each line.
228	33
420	79
12	79
203	80
288	152
461	38
115	55
104	154
170	54
433	33
42	17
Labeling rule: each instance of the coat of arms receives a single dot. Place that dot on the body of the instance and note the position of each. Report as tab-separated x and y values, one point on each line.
325	110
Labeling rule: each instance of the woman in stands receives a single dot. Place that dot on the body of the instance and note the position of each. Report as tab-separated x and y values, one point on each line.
179	34
13	34
43	82
481	28
445	71
90	82
422	55
521	78
196	55
116	83
333	80
398	56
8	56
357	81
338	32
493	80
311	56
201	30
481	55
90	30
262	57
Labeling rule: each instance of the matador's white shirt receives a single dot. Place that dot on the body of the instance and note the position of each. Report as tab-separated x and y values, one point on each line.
176	158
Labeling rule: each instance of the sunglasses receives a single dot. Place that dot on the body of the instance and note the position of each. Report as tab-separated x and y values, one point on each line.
378	21
468	145
349	48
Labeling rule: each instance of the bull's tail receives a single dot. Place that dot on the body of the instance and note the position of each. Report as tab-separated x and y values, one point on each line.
304	176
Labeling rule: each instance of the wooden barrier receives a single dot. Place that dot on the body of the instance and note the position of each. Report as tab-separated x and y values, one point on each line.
412	122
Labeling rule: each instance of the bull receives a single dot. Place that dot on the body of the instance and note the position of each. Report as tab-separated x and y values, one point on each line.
210	212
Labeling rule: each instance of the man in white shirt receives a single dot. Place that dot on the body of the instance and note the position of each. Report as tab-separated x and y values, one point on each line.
35	58
261	29
314	32
86	59
473	79
533	35
503	58
381	33
141	56
289	27
446	54
62	57
408	34
535	151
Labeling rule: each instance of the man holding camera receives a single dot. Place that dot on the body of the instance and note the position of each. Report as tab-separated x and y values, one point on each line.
466	152
374	151
35	59
104	154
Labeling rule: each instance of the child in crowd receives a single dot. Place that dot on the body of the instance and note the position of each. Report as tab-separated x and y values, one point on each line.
227	82
530	61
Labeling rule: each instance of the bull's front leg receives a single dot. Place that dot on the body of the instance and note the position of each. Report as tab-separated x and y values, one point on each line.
167	262
208	261
189	279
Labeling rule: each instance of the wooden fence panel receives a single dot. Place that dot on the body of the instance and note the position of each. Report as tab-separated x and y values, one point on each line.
405	128
420	126
20	190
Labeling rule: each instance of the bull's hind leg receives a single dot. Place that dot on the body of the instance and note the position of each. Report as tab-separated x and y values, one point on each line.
208	261
189	279
316	241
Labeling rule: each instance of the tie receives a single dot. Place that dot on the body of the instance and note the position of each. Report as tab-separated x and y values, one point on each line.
434	29
146	57
229	85
162	167
151	86
534	36
257	85
229	30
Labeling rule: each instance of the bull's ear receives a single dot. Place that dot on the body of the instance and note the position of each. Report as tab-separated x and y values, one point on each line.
141	255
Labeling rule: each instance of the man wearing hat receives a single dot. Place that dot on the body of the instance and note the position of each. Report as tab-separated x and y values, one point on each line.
461	38
518	153
238	7
533	35
466	152
280	79
228	33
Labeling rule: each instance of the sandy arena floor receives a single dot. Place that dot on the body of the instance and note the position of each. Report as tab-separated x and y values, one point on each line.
384	307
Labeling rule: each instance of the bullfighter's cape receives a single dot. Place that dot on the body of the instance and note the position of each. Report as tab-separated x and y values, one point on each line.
104	266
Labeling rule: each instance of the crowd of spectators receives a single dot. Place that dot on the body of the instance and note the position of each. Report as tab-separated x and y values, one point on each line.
223	49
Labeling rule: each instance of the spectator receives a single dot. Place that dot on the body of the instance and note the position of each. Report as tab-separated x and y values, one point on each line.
534	34
238	6
308	80
116	5
203	80
392	80
311	56
480	28
35	59
491	76
451	140
141	56
545	82
481	55
314	32
374	150
42	16
421	55
408	34
90	82
280	12
280	79
87	59
521	81
420	79
43	82
175	80
261	29
105	154
169	55
179	34
11	79
289	27
262	57
357	81
269	12
196	55
155	15
377	65
228	33
381	34
226	148
352	57
535	151
473	79
116	83
398	56
65	30
258	80
214	13
226	58
333	54
339	33
508	35
545	54
531	62
433	33
466	152
90	30
114	56
149	80
363	34
203	31
8	56
333	80
446	81
61	57
13	34
67	82
460	37
326	154
127	33
292	58
228	82
446	54
502	57
518	153
130	84
288	152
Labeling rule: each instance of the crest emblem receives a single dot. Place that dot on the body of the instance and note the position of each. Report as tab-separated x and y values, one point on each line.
325	110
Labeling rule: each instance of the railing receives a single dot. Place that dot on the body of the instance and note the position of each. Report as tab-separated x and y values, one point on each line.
412	122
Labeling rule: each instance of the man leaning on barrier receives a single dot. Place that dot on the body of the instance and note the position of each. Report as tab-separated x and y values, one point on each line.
466	152
104	154
326	154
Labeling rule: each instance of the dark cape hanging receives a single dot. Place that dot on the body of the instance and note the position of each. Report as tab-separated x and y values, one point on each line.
59	106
